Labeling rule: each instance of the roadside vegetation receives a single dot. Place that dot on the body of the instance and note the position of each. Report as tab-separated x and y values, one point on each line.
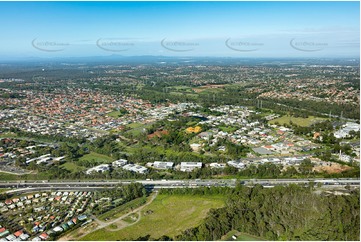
282	213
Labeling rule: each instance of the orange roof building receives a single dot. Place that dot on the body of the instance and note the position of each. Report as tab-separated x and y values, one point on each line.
196	129
18	233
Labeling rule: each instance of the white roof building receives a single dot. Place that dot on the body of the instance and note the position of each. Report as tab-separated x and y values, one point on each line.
99	168
119	163
342	133
135	168
217	165
24	237
58	229
190	166
163	165
236	164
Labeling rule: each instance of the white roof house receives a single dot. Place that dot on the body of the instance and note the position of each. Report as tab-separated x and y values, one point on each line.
99	168
217	165
135	168
163	165
346	128
236	164
190	166
24	236
119	163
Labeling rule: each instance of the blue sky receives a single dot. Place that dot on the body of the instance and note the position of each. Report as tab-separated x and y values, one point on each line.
236	29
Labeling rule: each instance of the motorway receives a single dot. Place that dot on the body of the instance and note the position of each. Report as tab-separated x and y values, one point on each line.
158	184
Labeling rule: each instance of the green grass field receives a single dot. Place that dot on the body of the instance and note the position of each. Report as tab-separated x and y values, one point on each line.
16	136
183	88
299	121
8	176
114	114
137	128
72	167
182	94
171	214
38	176
122	209
227	129
131	218
4	190
135	125
96	157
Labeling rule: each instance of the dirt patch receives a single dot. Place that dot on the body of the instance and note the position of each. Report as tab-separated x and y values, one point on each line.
331	168
158	134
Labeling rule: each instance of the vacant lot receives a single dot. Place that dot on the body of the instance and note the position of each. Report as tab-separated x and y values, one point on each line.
122	209
299	121
92	156
70	166
332	168
137	128
166	215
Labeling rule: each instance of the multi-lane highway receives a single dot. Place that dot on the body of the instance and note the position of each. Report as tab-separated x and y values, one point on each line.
157	184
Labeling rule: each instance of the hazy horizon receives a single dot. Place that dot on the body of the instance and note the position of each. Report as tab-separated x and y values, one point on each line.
190	29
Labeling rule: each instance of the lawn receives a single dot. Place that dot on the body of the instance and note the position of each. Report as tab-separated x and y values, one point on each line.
299	121
169	215
227	129
115	114
72	167
96	157
135	125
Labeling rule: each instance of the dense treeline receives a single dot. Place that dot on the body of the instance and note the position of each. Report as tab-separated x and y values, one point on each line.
282	213
348	110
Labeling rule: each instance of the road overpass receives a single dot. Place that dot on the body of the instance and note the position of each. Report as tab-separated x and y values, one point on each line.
157	184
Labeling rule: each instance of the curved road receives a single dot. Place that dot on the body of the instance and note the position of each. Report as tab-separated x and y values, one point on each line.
102	224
